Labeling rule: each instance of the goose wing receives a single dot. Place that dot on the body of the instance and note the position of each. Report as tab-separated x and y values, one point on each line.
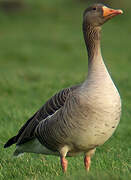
26	132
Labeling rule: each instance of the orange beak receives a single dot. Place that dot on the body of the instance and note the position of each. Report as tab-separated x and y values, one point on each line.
109	13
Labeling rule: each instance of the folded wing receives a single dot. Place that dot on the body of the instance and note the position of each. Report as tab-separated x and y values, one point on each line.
26	133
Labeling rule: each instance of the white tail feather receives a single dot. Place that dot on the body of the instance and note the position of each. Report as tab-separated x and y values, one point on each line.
33	146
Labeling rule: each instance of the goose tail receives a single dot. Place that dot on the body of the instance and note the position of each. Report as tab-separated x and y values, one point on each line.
17	153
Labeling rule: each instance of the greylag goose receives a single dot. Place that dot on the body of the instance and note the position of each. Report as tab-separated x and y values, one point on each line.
78	119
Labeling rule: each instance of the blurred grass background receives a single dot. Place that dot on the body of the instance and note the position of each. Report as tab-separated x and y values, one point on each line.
42	51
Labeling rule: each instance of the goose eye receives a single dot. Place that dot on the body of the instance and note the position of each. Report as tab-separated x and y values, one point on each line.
94	9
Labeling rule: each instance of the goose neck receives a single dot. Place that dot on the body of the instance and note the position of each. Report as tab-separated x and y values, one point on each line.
92	41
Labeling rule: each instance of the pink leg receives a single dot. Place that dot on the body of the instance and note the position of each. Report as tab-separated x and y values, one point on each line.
64	164
87	162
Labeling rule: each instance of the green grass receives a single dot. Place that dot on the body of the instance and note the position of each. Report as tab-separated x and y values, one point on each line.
42	51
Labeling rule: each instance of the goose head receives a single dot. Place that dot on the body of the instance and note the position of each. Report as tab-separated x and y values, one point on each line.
98	14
